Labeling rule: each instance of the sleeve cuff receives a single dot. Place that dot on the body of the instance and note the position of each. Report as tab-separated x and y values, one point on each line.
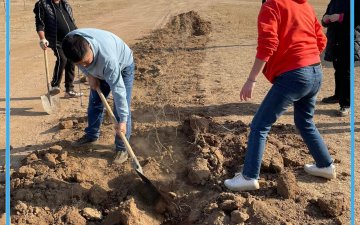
262	56
341	17
123	119
326	21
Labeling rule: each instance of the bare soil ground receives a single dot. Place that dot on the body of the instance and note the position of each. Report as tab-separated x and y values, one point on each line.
190	130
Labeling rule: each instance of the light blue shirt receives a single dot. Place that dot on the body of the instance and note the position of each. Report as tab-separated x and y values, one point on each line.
111	56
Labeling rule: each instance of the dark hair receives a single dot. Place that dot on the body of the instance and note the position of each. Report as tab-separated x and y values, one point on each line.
75	47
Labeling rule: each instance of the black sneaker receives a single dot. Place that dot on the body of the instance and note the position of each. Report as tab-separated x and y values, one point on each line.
84	140
344	111
73	94
330	100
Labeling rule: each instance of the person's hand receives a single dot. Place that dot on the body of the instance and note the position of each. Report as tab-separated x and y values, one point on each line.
120	128
93	82
247	89
326	18
334	17
44	43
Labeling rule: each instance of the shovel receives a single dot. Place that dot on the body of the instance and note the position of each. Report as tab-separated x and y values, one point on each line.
153	193
50	103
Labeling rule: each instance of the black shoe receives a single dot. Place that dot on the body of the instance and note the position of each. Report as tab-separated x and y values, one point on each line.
120	157
344	111
84	140
72	94
54	90
331	100
83	79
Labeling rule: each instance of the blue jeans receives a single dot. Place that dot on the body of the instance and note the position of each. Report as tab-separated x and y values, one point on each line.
298	87
96	108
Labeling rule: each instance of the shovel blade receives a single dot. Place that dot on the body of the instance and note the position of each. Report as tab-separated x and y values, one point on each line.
153	194
50	103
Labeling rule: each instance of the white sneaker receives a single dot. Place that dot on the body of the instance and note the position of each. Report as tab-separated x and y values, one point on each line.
239	183
326	172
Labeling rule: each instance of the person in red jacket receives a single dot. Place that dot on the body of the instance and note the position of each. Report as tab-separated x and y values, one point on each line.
290	40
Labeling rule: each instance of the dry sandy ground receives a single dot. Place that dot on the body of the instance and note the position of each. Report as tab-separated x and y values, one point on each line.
179	74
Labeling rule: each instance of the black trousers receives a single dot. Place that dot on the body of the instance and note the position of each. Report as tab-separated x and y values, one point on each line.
63	64
341	65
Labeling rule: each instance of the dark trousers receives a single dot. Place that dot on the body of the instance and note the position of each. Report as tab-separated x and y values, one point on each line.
341	65
63	64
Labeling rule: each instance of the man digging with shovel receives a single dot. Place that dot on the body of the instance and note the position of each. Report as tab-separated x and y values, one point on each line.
109	65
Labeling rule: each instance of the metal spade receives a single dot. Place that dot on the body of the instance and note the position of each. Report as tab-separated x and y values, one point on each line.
50	103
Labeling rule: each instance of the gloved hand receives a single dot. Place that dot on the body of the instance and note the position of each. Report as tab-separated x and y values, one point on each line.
334	17
326	18
44	43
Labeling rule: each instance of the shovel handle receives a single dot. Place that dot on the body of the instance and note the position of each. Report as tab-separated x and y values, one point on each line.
122	136
47	69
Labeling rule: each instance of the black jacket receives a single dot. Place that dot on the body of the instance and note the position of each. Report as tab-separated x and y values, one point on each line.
45	19
338	34
357	30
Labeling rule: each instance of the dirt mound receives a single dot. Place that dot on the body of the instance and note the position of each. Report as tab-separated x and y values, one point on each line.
189	23
218	152
167	61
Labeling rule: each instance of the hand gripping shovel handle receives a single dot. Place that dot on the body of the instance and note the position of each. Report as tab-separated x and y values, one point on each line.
122	136
153	194
47	69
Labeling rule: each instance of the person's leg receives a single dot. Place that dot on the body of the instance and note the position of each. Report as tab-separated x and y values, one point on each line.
337	75
95	111
344	72
272	107
342	68
59	67
303	118
287	88
128	77
69	75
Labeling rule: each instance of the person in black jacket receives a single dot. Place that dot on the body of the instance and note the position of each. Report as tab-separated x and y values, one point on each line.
54	19
337	21
357	31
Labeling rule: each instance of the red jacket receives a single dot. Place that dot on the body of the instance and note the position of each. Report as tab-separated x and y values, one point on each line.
289	36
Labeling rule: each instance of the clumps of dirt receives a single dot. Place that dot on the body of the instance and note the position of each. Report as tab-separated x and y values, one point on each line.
53	189
334	205
71	122
128	214
199	171
263	214
287	186
218	150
